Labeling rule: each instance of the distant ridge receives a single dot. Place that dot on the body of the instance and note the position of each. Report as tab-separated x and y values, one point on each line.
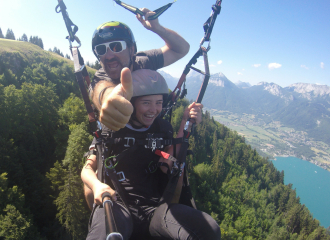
302	106
309	91
241	84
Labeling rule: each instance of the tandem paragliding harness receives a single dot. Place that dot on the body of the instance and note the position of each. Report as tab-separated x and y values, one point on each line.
105	140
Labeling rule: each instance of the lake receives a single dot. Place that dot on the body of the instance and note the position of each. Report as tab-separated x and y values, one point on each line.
312	185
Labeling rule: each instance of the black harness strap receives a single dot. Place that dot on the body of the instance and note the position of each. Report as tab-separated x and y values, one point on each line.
150	141
106	161
170	194
208	25
178	92
81	74
135	10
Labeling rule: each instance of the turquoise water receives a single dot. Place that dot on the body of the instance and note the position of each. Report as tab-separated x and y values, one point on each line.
312	185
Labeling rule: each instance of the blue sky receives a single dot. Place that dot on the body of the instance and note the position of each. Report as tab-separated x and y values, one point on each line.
284	41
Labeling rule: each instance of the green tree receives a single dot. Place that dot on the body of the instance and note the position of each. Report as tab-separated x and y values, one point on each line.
36	41
15	220
215	143
73	111
31	121
1	34
10	34
40	43
24	38
58	51
95	65
72	211
13	225
8	78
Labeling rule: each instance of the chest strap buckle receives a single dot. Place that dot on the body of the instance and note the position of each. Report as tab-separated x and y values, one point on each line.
128	141
154	143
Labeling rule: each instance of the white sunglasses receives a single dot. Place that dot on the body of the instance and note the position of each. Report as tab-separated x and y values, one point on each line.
115	47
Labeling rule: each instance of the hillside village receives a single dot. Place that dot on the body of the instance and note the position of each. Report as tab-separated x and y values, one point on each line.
273	139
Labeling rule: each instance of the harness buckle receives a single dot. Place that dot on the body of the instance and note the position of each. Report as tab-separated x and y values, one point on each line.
154	143
121	176
175	169
128	139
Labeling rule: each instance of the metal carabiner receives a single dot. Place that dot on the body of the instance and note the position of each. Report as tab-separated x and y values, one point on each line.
76	39
208	46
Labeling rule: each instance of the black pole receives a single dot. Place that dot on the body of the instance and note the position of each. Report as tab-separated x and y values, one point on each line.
110	223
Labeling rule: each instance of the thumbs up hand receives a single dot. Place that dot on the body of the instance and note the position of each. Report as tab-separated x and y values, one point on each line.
116	107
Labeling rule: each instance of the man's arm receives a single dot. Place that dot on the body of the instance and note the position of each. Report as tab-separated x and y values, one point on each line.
175	46
115	108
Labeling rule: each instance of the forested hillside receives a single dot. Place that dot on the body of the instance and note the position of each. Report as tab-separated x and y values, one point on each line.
43	136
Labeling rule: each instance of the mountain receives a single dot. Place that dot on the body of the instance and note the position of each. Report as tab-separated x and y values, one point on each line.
241	84
310	91
220	93
274	89
302	106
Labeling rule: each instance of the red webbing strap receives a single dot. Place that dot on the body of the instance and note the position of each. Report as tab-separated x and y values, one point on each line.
80	79
206	77
170	195
165	155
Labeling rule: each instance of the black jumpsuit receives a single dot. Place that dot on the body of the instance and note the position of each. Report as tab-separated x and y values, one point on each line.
143	186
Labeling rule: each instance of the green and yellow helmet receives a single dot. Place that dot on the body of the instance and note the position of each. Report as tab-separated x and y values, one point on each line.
111	31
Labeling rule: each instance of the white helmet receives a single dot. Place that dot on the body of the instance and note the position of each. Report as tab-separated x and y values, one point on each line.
148	82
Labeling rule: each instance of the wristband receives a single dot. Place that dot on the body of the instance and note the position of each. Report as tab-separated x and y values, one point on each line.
101	93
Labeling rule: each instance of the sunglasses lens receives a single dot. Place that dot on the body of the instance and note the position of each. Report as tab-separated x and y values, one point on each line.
101	49
116	46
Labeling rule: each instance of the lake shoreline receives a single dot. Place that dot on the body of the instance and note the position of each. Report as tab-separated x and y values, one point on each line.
307	160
